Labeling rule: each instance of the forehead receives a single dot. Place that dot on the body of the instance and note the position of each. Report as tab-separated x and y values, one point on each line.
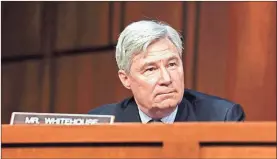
161	45
159	50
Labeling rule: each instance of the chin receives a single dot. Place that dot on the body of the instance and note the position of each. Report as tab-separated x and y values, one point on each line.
168	103
160	110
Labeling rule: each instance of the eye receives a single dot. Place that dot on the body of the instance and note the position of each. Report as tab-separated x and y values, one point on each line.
150	69
171	64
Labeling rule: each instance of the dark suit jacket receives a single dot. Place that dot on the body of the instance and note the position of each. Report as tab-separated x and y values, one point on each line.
195	106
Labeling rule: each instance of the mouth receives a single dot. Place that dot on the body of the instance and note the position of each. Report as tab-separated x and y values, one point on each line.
165	93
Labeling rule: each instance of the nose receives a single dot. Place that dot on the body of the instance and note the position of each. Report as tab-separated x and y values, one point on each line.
165	77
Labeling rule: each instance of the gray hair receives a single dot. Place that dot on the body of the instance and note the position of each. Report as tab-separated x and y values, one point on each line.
137	36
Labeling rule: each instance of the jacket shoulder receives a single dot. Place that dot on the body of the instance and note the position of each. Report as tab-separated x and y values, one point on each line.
109	109
212	108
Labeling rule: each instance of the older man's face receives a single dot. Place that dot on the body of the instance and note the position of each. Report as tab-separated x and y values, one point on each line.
156	77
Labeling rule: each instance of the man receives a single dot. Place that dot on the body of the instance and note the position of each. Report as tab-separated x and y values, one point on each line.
149	58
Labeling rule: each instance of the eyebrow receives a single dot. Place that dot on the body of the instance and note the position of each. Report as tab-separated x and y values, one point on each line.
172	58
154	62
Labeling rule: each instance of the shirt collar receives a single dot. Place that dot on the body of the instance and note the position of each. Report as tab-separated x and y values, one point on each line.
168	119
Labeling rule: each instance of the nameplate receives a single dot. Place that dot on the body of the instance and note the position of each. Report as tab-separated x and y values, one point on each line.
59	119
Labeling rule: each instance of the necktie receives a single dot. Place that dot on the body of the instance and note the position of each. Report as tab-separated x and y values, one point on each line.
155	121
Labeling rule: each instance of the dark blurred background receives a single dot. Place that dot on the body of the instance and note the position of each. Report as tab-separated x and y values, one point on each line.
59	56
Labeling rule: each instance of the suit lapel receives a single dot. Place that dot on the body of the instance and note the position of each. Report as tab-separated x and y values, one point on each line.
127	112
185	112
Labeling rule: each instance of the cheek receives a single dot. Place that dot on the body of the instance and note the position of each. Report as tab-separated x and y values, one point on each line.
146	84
178	76
152	80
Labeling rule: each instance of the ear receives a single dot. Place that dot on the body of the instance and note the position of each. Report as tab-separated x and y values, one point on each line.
124	78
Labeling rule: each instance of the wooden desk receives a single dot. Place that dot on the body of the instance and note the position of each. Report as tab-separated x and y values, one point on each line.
184	140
